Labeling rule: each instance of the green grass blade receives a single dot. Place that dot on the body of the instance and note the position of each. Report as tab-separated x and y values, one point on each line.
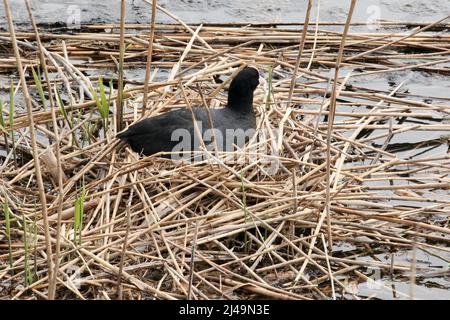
98	103
7	212
79	212
2	120
60	103
35	232
11	105
40	89
104	110
11	119
77	215
244	202
28	271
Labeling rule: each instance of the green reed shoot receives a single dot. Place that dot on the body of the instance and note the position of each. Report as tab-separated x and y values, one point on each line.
104	110
11	118
28	272
2	121
7	212
11	104
35	268
40	89
102	103
2	125
79	213
61	106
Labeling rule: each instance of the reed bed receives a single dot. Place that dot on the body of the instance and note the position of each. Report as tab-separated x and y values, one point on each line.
307	217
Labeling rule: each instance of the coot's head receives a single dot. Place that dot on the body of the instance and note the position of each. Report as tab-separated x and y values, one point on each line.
240	93
249	76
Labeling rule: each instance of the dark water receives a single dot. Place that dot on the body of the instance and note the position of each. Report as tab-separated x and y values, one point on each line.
72	12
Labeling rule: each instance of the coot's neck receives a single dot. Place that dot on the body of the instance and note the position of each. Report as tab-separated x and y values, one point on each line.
240	101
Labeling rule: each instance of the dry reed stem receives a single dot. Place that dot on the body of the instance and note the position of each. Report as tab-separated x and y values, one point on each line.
37	166
119	105
149	57
60	173
300	51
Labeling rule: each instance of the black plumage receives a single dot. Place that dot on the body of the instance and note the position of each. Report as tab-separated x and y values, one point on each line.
164	132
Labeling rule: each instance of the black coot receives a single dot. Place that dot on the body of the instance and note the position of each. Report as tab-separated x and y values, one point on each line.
174	131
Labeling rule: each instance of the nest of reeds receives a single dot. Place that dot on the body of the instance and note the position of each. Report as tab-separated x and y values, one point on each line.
308	215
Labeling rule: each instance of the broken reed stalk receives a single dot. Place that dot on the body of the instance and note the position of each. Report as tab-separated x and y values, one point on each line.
57	150
300	52
331	118
149	58
120	87
37	166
